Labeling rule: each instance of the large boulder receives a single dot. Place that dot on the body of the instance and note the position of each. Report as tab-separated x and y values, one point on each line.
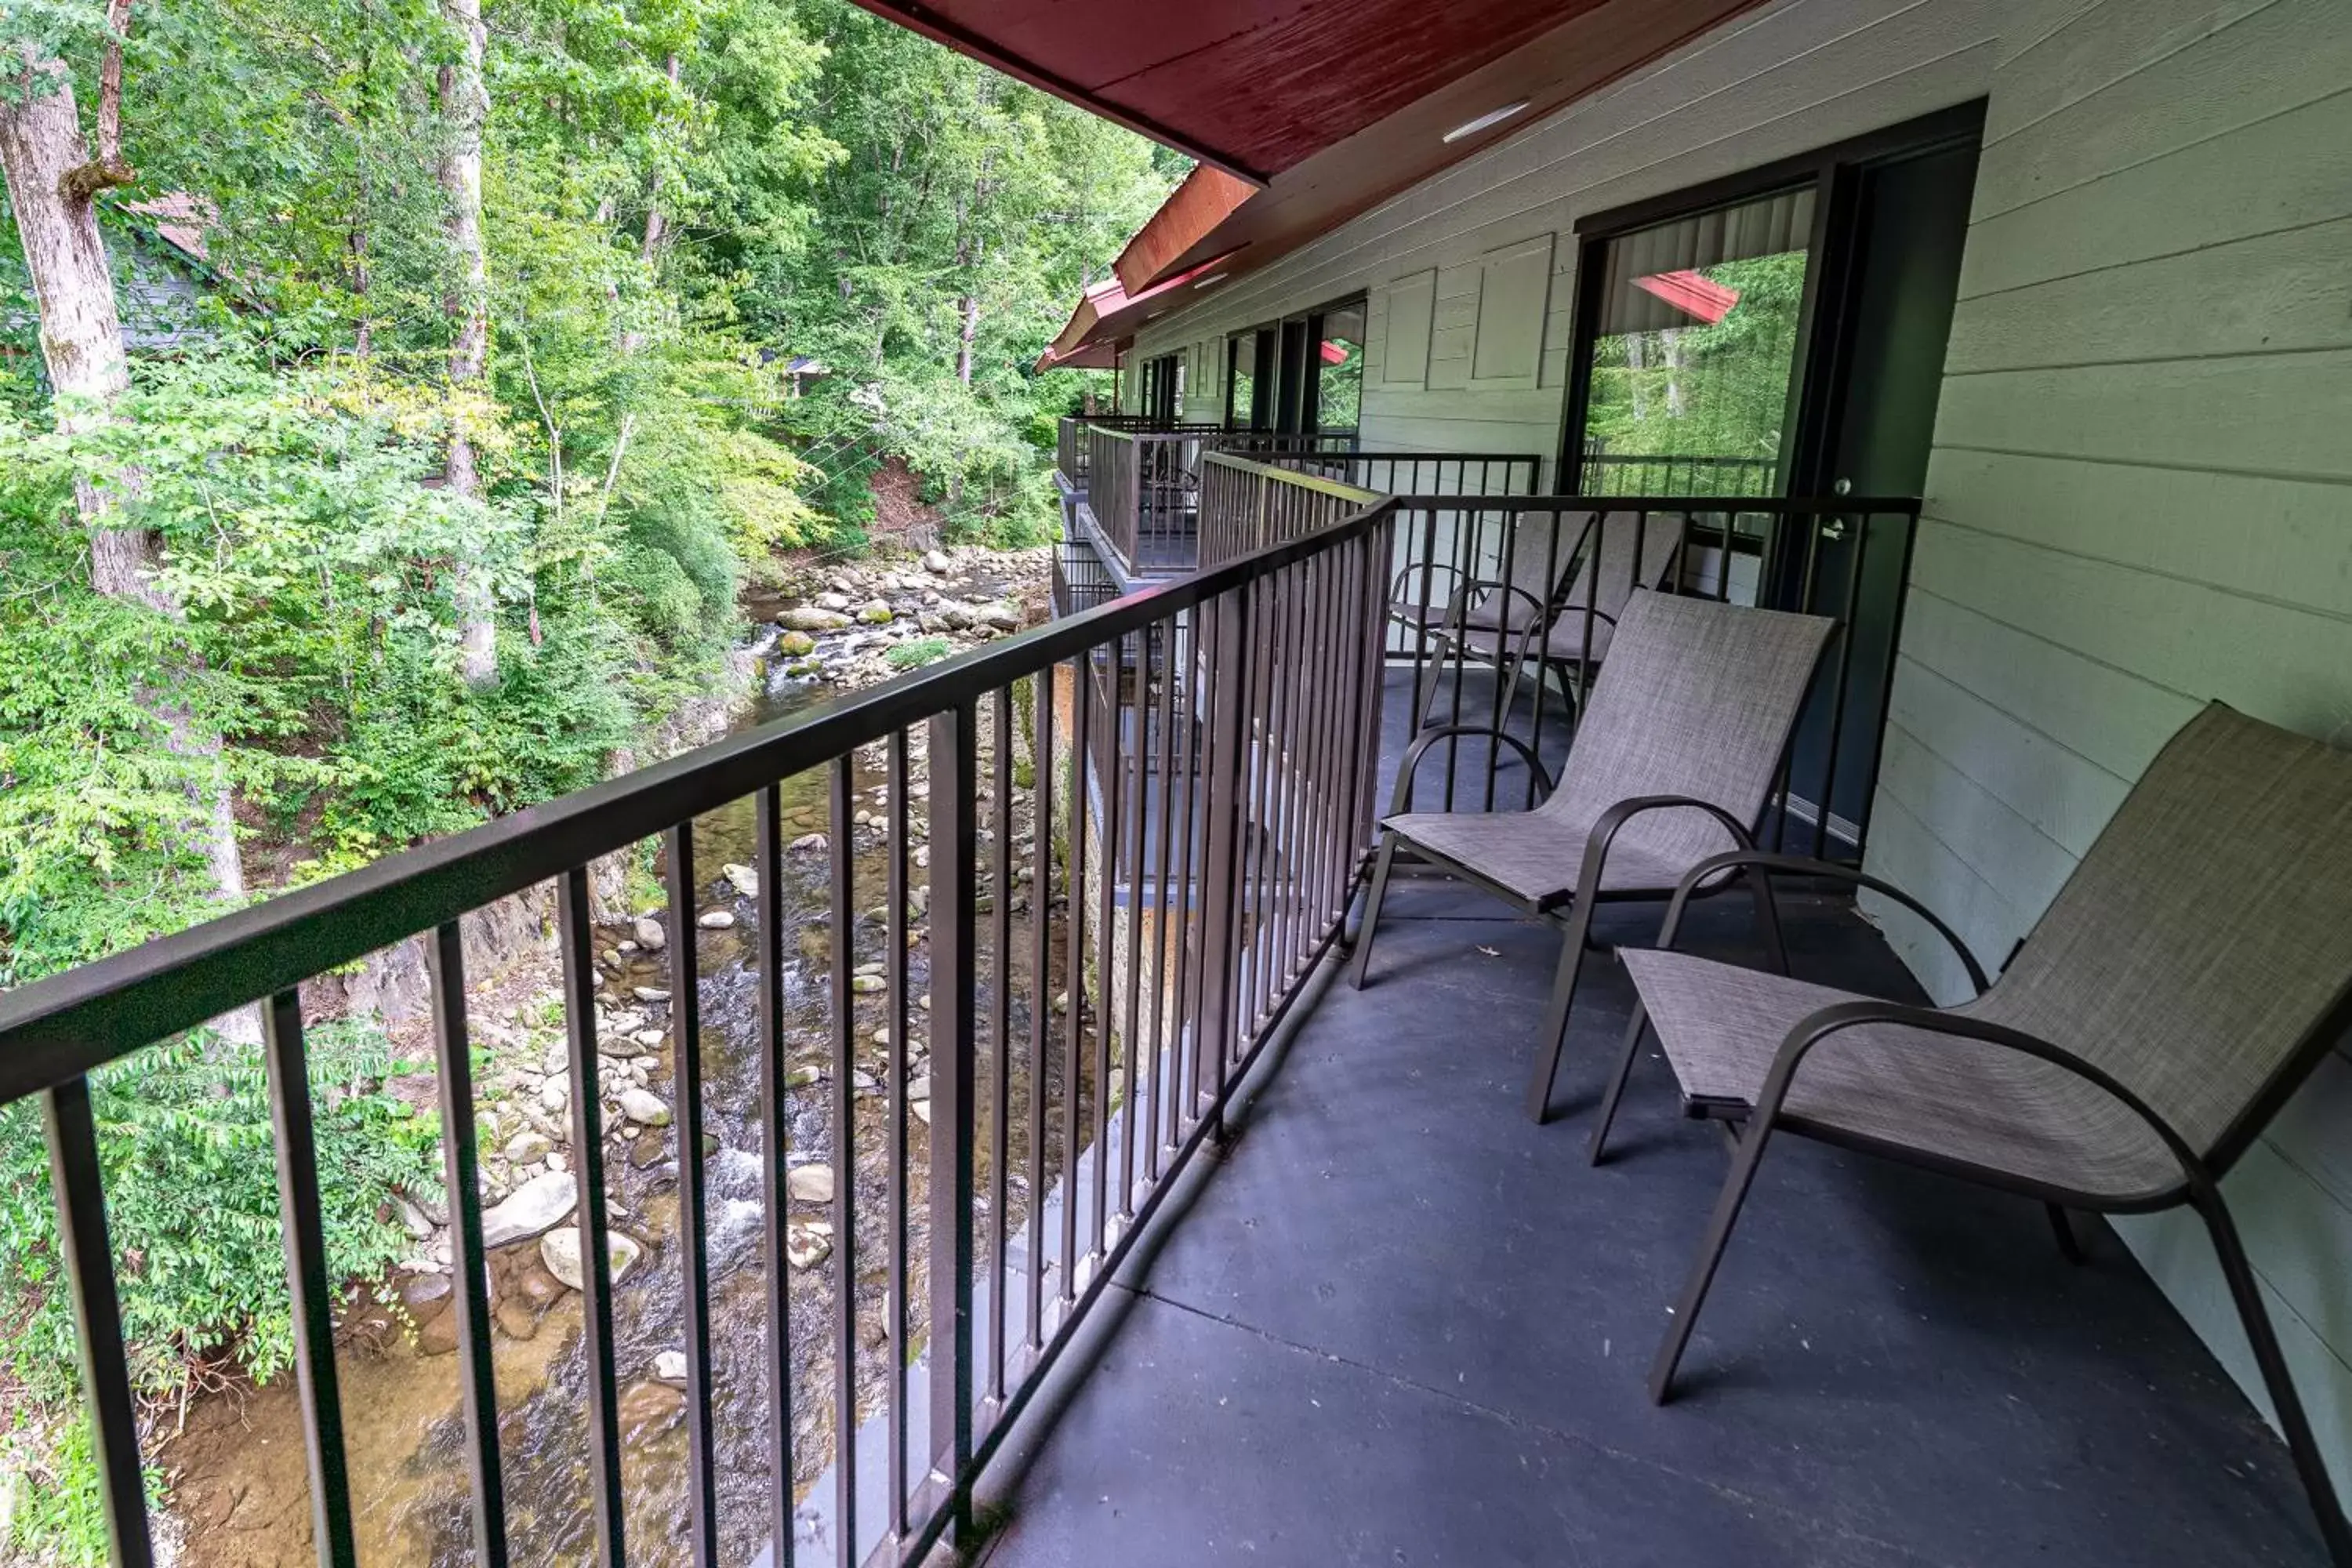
559	1250
809	619
538	1205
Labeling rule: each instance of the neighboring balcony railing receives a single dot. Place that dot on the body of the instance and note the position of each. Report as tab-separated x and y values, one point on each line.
1504	606
1143	487
1070	455
1080	1049
1081	581
1677	474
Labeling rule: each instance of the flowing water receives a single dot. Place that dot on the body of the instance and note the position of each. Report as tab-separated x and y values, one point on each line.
241	1484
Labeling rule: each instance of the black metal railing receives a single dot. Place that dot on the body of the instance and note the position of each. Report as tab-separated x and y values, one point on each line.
1422	473
1143	486
1081	581
1503	608
1070	454
1685	474
1081	1045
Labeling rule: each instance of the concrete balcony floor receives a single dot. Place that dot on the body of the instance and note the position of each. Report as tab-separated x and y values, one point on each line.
1397	1323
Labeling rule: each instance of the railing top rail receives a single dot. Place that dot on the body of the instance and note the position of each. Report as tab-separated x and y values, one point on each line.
1680	505
1375	456
1293	477
56	1028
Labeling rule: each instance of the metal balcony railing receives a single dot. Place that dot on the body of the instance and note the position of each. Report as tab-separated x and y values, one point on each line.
1079	1051
1677	474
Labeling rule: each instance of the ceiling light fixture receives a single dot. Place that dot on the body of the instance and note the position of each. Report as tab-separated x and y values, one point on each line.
1212	277
1492	117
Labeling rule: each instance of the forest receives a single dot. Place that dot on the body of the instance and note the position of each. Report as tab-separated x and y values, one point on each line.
396	398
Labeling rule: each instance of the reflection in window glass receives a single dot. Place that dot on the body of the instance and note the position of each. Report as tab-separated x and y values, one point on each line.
1695	350
1340	371
1241	384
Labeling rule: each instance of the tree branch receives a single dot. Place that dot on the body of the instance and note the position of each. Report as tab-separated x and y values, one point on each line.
107	170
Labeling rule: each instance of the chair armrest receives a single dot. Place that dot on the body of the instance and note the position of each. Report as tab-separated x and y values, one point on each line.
1424	570
1765	863
1401	796
1604	832
1815	1027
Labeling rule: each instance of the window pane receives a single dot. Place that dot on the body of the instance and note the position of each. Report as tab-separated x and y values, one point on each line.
1240	395
1339	370
1696	340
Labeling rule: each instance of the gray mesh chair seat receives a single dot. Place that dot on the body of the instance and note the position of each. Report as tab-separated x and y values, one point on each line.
2193	970
1955	1100
1672	763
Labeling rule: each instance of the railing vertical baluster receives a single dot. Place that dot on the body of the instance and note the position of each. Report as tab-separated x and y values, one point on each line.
1163	1079
79	1190
1074	974
840	849
444	968
1106	948
894	1173
1040	987
1000	1045
1221	782
774	1074
686	1073
287	1065
588	1170
1185	1025
1139	808
954	764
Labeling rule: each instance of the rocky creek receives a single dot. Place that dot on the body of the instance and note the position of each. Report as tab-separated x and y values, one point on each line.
240	1490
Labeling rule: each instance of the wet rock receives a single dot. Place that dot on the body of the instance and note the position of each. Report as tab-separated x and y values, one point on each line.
527	1145
650	935
554	1095
938	563
868	984
438	1335
424	1295
833	601
796	645
646	1039
644	1107
649	994
531	1283
669	1366
806	1246
716	919
809	619
537	1205
875	613
559	1250
803	1077
809	1183
649	1409
806	842
1003	617
516	1320
742	878
956	617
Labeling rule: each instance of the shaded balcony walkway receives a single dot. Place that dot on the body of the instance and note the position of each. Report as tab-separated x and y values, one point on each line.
1399	1324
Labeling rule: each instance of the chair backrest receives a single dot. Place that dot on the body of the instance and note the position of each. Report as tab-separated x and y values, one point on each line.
2202	950
1623	551
1698	699
1540	549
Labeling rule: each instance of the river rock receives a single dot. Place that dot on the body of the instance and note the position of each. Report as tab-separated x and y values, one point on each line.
796	645
647	1410
809	1183
1003	617
438	1335
649	994
808	841
877	612
956	617
559	1250
669	1366
715	919
412	1219
537	1205
809	619
742	878
554	1095
516	1320
425	1294
805	1246
649	933
938	563
527	1145
832	601
645	1107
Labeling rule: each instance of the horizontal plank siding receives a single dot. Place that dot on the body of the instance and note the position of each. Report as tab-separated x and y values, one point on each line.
2141	500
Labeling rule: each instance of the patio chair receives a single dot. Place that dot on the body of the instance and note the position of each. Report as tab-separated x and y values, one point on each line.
1673	762
1559	606
2194	969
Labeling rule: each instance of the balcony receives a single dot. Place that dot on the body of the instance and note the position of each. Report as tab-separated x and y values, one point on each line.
1143	1241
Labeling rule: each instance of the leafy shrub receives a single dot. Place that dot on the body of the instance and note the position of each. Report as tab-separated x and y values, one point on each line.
917	652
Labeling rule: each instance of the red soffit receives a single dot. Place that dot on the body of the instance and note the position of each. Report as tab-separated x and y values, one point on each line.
1691	293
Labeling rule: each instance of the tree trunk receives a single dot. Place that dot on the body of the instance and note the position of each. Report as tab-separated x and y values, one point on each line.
970	306
52	182
464	104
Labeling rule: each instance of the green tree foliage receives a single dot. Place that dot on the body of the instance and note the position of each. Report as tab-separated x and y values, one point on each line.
679	198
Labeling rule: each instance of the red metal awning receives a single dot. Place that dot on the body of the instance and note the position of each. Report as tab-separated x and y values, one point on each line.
1691	293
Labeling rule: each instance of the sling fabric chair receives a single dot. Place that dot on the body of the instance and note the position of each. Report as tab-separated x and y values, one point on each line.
1672	763
1559	606
2195	968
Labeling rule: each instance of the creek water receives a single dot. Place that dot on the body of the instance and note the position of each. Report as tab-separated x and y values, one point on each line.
240	1482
